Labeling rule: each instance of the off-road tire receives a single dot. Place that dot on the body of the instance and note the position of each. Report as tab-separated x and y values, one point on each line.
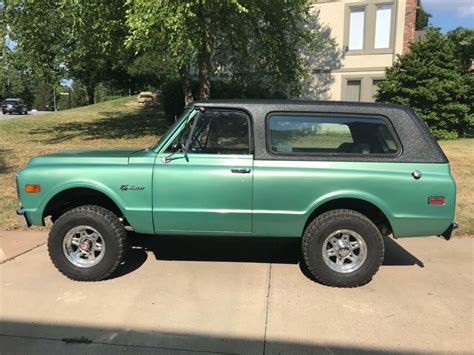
110	228
325	224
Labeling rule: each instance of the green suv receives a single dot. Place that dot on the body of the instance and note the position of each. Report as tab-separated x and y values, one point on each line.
337	175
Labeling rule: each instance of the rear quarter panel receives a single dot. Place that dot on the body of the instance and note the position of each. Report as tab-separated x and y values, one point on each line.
287	192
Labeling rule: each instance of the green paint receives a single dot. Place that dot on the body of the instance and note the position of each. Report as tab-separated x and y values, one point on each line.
199	194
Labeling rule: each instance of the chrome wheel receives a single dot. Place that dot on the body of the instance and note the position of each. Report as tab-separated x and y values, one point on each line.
84	246
344	251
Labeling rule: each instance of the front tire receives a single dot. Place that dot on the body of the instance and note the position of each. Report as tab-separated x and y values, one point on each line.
342	248
87	243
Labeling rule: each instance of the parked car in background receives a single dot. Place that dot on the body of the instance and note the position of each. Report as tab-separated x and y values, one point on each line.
14	106
339	176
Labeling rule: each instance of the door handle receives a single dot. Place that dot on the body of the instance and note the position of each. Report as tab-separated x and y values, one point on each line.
240	170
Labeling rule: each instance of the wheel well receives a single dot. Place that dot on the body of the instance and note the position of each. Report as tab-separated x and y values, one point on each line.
72	198
368	209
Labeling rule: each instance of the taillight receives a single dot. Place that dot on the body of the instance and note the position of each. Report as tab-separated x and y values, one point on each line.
436	200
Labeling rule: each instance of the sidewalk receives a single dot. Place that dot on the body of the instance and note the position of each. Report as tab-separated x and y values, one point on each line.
13	244
247	296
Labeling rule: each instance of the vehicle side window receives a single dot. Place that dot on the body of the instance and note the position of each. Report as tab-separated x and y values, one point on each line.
221	132
217	132
325	134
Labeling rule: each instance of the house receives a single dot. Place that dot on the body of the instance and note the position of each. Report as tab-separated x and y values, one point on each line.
369	34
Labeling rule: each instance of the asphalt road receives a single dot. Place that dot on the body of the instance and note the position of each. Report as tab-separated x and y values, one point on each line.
8	116
248	296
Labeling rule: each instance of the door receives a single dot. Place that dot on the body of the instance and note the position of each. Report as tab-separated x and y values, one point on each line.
208	189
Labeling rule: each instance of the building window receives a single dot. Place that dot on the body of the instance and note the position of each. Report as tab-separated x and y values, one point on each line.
353	90
356	28
369	28
361	87
382	26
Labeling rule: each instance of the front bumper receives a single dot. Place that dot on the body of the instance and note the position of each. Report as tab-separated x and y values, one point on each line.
449	232
21	212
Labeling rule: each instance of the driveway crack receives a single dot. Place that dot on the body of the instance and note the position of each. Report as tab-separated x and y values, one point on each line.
267	310
22	253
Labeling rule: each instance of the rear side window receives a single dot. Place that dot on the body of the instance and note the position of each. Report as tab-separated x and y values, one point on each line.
334	135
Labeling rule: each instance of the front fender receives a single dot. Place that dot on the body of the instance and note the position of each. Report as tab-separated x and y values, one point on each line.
36	214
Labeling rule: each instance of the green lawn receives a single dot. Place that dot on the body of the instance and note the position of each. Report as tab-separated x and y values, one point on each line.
461	156
122	123
117	123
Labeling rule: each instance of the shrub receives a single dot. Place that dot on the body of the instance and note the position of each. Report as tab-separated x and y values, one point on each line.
172	97
431	79
43	97
78	95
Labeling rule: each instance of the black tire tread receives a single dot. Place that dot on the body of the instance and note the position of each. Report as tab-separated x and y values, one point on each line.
311	233
108	217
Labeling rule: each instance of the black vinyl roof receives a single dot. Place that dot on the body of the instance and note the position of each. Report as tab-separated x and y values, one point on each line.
274	102
418	144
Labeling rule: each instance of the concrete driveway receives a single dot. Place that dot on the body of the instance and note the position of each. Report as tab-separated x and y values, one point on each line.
246	296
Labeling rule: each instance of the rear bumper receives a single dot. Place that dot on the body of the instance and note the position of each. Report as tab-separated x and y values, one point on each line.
21	212
449	232
12	110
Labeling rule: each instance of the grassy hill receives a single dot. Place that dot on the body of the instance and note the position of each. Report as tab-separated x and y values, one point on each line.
117	123
122	123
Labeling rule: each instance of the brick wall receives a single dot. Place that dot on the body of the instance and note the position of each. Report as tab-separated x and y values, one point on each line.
410	19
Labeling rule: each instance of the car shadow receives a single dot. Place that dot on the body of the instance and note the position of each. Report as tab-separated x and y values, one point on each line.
236	249
32	336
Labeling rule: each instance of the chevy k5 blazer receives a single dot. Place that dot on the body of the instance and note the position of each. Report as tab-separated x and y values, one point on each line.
337	175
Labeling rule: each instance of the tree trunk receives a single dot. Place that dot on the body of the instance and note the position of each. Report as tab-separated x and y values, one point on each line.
209	24
90	88
204	68
185	84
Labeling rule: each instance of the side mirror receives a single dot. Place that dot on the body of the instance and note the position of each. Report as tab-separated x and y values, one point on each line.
176	147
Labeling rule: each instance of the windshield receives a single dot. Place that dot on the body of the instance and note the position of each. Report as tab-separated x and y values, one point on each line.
169	132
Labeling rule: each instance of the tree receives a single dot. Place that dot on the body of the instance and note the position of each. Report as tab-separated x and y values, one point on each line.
252	36
422	17
79	94
82	40
151	69
15	77
95	42
36	29
431	80
44	97
462	40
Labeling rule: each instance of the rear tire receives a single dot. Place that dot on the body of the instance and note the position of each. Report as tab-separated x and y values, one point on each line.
87	243
342	248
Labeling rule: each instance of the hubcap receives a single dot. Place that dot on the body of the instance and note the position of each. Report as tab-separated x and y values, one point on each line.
84	246
344	251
